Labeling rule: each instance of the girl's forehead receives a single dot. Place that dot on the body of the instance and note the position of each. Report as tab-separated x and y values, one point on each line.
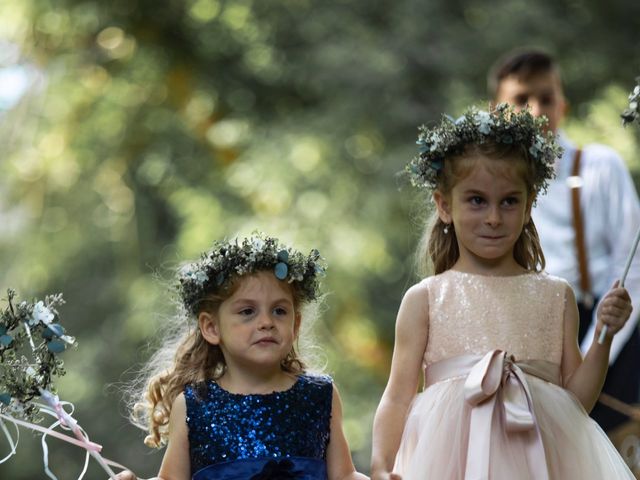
511	168
261	284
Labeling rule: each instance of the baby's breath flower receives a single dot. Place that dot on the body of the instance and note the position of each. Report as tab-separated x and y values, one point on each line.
40	314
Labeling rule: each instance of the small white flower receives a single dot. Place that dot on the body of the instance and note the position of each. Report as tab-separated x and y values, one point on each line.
16	407
200	277
537	146
186	270
258	244
40	314
434	140
484	122
192	272
31	372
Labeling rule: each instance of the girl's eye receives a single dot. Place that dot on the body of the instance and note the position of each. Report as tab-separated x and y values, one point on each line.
510	201
521	100
280	311
246	312
547	101
475	200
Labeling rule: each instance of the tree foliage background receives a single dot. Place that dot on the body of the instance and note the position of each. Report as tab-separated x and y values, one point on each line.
134	132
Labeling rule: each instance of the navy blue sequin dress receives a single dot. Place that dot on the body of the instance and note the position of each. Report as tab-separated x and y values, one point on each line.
279	435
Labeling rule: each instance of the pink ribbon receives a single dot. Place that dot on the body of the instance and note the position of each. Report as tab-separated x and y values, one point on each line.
55	408
68	421
86	444
82	439
496	382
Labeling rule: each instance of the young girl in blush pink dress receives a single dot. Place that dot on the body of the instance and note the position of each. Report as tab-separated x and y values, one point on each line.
506	390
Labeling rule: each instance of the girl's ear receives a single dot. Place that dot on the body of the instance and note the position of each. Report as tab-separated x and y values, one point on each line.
209	328
442	204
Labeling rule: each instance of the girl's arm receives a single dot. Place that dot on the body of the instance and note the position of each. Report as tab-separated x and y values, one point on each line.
412	326
339	463
585	378
176	464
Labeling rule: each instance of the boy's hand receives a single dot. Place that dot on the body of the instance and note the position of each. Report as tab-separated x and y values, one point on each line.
614	310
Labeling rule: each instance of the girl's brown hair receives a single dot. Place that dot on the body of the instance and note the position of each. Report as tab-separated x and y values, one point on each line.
438	251
187	358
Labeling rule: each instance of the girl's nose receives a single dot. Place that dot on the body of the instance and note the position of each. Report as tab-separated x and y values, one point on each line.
265	322
493	217
534	105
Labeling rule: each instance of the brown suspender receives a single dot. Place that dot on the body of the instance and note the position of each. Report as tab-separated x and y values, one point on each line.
578	227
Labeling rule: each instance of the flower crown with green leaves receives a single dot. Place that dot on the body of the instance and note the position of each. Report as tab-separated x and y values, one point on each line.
503	125
30	339
632	113
229	259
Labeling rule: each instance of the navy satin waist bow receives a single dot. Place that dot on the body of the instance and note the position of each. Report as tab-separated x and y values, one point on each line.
290	468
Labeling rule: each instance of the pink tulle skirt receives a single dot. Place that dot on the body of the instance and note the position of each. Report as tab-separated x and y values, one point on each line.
436	436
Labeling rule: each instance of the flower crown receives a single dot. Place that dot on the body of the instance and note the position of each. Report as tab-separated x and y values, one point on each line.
228	259
30	339
503	125
632	113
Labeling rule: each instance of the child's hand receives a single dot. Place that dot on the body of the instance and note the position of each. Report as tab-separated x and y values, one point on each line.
614	310
385	476
126	475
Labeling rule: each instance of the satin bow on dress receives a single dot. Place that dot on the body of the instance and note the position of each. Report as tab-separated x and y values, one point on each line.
289	468
496	384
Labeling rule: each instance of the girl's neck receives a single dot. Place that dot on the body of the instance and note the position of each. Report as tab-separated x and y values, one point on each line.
255	382
504	269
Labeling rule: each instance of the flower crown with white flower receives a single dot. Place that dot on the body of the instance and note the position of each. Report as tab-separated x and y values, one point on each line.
503	125
632	113
230	259
30	339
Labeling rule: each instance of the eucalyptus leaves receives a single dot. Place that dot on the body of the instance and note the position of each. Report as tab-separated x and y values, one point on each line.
30	339
632	113
503	125
229	259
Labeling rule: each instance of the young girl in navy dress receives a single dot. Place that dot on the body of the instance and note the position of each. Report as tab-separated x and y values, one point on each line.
236	401
505	386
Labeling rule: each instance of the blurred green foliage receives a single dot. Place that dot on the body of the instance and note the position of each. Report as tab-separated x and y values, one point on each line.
149	128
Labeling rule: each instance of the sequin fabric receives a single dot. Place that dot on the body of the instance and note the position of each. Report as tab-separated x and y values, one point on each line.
472	314
225	426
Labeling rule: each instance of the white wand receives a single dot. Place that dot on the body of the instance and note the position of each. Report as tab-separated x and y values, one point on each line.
603	332
630	115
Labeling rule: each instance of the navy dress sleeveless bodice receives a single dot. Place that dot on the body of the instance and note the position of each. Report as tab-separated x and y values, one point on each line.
279	435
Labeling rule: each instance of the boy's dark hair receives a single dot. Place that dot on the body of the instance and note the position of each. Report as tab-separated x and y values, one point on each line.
523	63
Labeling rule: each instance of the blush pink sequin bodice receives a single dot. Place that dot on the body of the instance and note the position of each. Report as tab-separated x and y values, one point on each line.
473	314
